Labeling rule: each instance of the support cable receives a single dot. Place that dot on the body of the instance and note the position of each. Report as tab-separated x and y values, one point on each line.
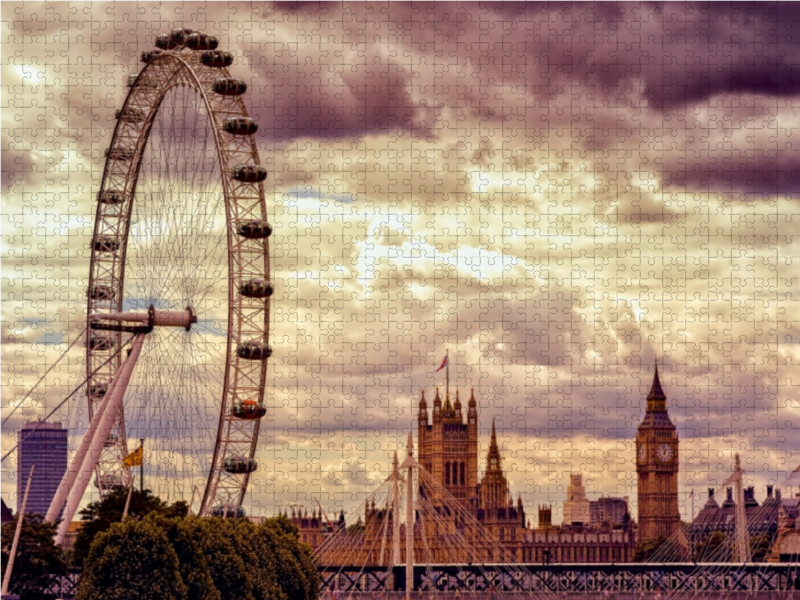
35	385
77	388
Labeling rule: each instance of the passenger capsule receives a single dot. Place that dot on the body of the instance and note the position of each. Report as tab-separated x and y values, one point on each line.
149	55
229	511
179	35
98	390
257	288
240	126
120	153
202	41
111	197
142	82
130	115
111	440
249	409
101	342
239	465
228	86
249	173
101	292
105	243
254	350
254	230
216	58
166	42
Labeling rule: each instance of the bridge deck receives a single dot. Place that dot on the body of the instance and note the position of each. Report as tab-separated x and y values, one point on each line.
707	580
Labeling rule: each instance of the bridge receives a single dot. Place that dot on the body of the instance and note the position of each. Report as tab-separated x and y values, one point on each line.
701	580
397	551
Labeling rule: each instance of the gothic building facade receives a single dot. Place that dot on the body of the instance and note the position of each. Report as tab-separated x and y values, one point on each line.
447	447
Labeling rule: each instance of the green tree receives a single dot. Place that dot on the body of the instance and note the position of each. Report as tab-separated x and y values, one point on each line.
661	550
132	561
759	546
39	562
646	549
713	547
261	561
231	575
297	572
193	567
101	515
204	559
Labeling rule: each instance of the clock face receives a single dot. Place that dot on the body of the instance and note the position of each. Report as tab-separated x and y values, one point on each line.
664	452
642	452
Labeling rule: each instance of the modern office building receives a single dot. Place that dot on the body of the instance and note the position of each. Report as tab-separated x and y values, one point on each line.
45	445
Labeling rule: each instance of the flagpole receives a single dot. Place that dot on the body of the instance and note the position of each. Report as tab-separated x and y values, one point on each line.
447	373
141	467
128	501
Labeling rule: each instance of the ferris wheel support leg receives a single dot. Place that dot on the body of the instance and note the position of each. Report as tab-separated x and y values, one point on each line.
69	477
104	426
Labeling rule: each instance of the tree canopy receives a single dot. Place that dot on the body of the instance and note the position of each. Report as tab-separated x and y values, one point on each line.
713	547
132	560
199	559
99	516
38	563
661	550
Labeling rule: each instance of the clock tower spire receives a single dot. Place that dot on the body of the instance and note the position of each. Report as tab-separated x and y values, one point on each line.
657	467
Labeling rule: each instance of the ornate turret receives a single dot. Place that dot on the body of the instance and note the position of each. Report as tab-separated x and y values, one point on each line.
437	407
472	410
457	407
423	409
545	517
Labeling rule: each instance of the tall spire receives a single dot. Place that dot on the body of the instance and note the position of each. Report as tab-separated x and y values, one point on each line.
494	486
493	457
656	399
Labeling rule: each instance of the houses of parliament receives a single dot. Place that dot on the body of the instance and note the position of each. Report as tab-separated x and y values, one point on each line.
447	444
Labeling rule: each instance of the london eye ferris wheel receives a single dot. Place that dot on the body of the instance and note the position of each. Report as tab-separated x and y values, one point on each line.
180	278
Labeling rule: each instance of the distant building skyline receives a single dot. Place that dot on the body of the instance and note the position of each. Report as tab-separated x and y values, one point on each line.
45	445
576	506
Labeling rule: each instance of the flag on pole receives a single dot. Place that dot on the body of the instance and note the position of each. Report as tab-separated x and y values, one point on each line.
134	459
443	365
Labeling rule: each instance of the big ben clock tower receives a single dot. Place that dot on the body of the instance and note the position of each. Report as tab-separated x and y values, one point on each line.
657	468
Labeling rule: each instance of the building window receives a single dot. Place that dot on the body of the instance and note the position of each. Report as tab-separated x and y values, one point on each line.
447	473
462	474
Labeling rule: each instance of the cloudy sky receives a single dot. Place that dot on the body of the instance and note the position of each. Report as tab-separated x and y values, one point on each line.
556	193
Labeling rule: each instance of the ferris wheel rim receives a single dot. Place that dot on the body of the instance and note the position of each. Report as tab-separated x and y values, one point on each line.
184	64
